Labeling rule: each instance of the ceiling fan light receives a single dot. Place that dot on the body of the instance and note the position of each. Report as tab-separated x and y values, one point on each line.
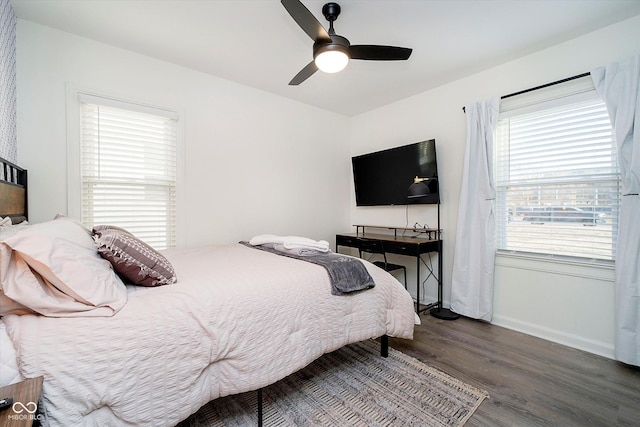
331	61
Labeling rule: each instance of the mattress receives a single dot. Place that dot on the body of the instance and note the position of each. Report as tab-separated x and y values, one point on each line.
237	319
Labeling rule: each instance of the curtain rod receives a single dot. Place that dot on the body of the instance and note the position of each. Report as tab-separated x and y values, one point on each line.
542	86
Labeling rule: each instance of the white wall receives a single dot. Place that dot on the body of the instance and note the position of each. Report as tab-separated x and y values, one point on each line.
253	162
564	303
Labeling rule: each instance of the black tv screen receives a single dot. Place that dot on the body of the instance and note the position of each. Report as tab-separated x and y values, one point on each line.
383	178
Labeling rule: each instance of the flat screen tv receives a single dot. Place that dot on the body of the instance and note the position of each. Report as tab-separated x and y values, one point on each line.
383	178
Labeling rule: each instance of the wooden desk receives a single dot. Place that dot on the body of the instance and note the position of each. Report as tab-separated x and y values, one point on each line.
26	395
402	245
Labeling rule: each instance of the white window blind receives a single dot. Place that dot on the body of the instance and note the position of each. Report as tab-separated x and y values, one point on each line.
557	179
128	158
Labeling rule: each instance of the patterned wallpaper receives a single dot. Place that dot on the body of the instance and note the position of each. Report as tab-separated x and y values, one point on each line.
8	134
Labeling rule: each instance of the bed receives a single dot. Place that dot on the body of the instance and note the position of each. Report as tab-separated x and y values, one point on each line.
237	319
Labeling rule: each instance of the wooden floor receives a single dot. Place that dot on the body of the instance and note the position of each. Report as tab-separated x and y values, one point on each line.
531	382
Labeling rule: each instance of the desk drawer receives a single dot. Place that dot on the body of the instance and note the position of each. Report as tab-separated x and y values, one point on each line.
401	248
350	241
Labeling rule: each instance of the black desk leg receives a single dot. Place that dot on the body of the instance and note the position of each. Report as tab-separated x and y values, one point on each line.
418	284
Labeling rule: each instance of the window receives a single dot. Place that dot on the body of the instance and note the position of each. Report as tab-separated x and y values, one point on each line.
556	175
128	168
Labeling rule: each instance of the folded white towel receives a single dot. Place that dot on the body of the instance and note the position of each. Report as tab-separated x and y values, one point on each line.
267	238
296	251
291	242
295	242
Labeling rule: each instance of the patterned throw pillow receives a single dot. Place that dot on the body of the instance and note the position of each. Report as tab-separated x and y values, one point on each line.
131	258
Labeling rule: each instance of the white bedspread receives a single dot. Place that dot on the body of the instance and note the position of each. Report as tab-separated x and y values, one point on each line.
238	319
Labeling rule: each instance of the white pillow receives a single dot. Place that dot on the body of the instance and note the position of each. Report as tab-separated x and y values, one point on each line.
8	229
74	278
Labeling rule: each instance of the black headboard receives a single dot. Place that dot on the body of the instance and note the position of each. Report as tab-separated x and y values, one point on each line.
13	191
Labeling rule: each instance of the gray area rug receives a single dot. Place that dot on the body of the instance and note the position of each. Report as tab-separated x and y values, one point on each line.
353	386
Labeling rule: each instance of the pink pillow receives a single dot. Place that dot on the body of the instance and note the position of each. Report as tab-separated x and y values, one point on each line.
58	260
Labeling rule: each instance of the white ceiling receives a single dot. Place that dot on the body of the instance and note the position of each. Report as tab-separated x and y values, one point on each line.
256	42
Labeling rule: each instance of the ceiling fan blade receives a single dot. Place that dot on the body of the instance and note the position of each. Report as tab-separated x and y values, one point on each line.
304	74
306	20
379	53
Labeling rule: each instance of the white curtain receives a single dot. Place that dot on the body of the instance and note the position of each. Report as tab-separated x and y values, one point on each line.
619	86
475	246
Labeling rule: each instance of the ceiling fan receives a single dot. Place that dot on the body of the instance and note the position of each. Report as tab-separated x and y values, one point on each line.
331	52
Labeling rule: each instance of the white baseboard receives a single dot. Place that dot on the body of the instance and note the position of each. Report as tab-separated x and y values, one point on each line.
570	340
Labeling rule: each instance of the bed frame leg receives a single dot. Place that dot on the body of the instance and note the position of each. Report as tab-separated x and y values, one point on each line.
384	346
259	407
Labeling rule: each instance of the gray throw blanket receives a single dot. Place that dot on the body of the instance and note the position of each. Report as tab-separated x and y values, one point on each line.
346	274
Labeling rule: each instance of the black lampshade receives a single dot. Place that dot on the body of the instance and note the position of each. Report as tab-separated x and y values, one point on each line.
418	190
